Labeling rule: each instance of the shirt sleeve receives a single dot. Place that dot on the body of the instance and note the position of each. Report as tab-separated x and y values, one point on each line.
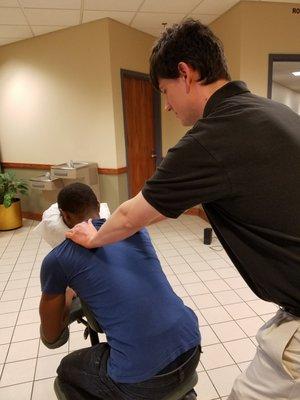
53	279
188	175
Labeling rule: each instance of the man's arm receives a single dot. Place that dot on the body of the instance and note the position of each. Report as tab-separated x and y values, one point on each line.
128	218
54	313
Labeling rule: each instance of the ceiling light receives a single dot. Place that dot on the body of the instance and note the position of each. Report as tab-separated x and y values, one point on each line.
296	73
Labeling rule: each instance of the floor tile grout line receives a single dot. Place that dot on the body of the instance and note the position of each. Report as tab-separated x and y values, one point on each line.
231	315
242	300
18	310
212	383
22	383
10	272
16	384
216	335
35	368
14	327
221	278
231	340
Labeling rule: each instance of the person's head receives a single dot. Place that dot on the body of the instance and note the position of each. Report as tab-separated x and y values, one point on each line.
77	203
187	64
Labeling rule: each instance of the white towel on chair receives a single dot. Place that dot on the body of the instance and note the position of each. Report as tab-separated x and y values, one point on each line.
52	227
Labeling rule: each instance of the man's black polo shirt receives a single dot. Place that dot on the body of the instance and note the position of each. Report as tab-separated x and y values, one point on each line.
242	162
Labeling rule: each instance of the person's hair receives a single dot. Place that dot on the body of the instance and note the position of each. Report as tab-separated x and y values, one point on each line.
77	198
193	43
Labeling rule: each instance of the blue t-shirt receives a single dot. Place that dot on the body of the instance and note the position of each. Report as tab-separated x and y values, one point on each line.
146	324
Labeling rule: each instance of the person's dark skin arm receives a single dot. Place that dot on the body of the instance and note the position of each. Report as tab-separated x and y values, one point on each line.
128	218
54	313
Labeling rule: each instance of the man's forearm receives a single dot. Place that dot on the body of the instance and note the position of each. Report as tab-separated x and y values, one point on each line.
128	218
51	336
118	227
54	312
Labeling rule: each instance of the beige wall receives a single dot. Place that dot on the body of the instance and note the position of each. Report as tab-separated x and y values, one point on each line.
229	29
130	49
56	98
263	28
171	128
61	99
267	28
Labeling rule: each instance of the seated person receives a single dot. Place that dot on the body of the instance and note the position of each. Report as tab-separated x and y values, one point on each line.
153	339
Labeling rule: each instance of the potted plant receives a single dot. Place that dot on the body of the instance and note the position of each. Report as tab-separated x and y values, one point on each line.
10	206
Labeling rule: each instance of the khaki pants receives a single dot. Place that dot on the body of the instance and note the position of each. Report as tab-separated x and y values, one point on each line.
274	372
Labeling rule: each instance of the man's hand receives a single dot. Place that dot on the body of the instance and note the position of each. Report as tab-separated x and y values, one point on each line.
83	234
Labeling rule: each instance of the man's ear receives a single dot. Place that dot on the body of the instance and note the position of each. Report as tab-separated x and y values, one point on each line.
66	217
185	72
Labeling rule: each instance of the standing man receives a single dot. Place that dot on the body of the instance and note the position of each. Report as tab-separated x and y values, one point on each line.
241	160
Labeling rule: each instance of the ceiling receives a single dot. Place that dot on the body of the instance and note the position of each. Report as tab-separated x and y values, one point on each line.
22	19
282	74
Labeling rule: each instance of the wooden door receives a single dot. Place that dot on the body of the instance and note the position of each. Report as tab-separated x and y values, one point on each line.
140	129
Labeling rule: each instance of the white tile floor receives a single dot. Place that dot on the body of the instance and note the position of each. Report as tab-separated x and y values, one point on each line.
229	313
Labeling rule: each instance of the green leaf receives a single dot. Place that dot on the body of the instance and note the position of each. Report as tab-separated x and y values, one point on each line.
7	200
10	186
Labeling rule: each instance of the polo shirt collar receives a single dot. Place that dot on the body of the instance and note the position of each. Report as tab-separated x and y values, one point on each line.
230	89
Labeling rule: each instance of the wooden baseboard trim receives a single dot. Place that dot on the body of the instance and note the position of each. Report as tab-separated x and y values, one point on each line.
46	167
43	167
112	171
33	216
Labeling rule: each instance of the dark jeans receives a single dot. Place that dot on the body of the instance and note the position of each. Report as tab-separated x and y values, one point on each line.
83	375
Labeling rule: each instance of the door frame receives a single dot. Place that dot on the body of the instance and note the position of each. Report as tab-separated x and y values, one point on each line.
156	114
274	58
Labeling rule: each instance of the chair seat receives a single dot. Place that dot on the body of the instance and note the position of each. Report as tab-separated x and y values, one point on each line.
183	389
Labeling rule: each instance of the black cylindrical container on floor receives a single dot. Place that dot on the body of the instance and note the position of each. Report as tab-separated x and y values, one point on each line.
207	236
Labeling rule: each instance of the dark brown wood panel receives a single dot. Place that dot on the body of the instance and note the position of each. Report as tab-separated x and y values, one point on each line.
112	171
138	98
14	165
